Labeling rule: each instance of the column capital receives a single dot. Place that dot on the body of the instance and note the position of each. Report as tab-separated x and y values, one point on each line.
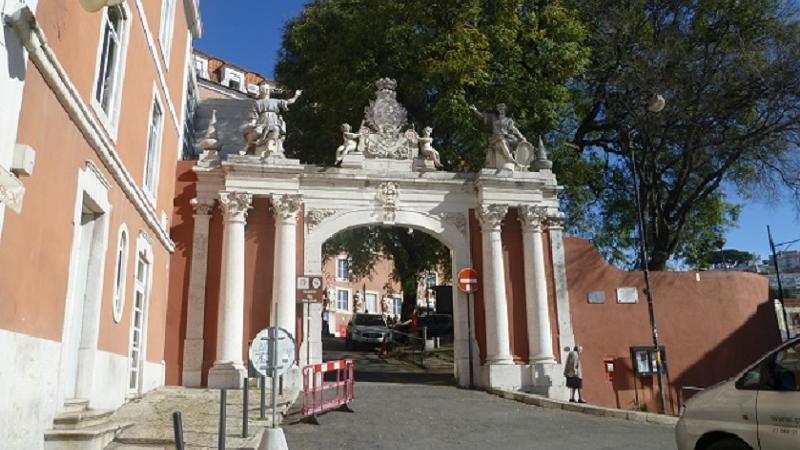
555	221
286	207
491	216
531	217
202	207
235	205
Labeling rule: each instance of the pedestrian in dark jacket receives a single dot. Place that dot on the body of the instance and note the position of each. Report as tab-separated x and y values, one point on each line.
574	374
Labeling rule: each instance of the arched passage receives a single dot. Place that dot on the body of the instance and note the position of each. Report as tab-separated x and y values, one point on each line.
445	231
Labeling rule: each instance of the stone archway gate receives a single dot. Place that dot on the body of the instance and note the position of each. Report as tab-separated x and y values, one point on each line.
385	178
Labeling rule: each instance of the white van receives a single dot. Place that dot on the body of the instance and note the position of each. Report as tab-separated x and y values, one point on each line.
759	409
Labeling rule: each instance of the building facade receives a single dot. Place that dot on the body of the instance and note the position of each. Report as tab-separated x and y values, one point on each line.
92	128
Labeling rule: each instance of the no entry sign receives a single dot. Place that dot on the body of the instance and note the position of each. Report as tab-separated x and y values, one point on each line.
468	280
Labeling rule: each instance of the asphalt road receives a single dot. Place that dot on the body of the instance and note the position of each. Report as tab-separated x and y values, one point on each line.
400	406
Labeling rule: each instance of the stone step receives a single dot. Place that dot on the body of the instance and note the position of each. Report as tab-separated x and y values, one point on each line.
81	419
75	405
90	437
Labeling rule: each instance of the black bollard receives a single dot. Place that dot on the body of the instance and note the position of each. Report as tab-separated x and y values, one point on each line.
223	398
245	405
263	380
177	426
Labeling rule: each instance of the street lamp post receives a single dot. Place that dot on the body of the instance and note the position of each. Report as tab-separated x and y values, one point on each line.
656	104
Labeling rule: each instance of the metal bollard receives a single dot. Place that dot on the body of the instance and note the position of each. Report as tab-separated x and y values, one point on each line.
223	399
245	406
177	426
263	380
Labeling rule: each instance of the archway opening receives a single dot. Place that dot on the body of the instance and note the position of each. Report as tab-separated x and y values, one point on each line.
388	304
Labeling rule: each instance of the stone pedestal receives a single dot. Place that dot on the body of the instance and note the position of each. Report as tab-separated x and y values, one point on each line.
353	160
424	165
547	379
227	375
506	376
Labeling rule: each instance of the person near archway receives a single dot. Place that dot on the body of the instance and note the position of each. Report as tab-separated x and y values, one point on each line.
574	374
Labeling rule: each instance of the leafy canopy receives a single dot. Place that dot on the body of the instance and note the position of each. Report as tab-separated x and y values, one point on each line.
444	56
730	73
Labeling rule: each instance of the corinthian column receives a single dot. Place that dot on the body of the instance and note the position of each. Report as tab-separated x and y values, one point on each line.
540	341
196	302
286	208
498	350
228	369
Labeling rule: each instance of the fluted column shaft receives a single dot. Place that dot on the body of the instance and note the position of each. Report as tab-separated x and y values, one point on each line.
228	369
195	311
234	206
285	209
540	341
498	349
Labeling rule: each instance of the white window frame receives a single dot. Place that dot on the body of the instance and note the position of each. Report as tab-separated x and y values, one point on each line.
144	250
120	273
152	191
110	119
229	73
377	302
349	298
166	26
397	310
203	66
336	269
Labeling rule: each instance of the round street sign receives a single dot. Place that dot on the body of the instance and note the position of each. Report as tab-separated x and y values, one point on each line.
468	280
284	351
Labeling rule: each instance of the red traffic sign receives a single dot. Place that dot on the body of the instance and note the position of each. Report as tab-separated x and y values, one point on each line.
468	280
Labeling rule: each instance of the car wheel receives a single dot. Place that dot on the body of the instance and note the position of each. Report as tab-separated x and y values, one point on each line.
728	443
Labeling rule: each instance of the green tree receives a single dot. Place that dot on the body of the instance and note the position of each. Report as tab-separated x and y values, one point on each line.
444	55
729	258
412	252
730	73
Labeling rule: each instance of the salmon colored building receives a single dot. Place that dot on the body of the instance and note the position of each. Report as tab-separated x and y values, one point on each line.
123	268
92	127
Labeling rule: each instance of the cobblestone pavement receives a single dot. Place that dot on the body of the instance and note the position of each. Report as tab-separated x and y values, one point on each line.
401	406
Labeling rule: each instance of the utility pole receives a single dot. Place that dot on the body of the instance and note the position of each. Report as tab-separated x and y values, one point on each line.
778	276
646	272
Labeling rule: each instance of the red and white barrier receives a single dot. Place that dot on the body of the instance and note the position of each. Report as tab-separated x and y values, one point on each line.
320	395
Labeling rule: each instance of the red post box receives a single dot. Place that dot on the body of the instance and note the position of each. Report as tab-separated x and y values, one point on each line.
608	367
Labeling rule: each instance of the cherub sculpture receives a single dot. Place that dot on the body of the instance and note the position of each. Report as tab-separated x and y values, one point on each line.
426	150
349	144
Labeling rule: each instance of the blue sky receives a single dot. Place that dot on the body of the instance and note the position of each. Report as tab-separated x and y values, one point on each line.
248	33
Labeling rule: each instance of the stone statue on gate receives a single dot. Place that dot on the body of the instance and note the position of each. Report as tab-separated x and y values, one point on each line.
426	150
265	131
349	144
508	148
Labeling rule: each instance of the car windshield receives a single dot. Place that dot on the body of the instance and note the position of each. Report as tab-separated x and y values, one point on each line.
371	321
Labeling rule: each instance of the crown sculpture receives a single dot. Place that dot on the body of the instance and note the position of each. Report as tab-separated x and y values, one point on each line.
385	134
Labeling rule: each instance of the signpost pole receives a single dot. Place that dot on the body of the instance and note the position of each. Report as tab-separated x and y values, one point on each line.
468	282
469	339
273	355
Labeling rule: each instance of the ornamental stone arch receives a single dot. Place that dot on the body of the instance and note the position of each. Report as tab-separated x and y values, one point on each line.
503	220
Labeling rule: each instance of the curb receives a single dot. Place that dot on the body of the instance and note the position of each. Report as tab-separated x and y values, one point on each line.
584	408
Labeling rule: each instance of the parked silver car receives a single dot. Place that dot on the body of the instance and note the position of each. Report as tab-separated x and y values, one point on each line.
757	410
367	329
